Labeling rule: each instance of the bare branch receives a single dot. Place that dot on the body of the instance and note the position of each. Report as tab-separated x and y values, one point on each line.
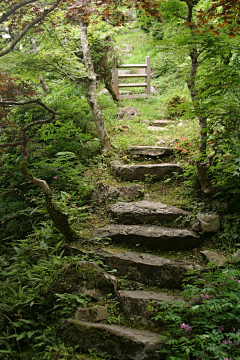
15	8
35	101
28	27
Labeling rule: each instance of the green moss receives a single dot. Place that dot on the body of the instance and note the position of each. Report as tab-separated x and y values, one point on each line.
24	170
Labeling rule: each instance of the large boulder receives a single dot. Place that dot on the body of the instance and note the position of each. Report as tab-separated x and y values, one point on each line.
83	277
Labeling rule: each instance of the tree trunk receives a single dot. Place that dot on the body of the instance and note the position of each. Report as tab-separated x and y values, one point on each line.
92	91
59	219
42	82
110	88
202	167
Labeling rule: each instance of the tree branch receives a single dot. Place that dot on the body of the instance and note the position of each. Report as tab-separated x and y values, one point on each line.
28	27
15	8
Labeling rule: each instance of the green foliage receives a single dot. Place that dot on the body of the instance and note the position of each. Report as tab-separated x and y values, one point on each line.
173	106
150	25
29	318
209	327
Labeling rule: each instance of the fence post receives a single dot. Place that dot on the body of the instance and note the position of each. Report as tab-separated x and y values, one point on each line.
115	81
148	72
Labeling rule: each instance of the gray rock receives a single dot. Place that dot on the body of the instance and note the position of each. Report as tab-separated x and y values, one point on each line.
139	306
153	90
152	237
83	277
104	193
128	113
141	172
214	257
148	269
95	313
117	341
161	122
147	212
206	223
151	151
103	92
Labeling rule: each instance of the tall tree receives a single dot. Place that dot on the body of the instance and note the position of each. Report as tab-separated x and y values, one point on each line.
205	51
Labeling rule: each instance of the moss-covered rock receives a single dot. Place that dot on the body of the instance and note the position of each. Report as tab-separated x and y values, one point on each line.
83	277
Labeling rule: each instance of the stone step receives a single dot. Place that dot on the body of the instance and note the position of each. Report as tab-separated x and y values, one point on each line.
142	172
156	128
147	268
152	237
119	342
145	212
139	305
150	151
161	123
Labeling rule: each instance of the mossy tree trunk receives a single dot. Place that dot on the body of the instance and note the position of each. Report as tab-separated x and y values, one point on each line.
203	163
60	220
92	90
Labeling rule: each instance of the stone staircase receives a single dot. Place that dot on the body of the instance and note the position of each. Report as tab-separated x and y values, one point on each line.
142	223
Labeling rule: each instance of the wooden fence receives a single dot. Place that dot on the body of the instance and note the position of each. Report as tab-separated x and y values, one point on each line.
146	75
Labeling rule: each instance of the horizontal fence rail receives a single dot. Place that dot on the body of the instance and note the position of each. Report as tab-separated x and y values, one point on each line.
146	75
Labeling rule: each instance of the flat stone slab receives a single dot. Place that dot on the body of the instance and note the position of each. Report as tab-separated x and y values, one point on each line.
152	237
148	269
156	128
161	122
151	151
141	172
147	212
104	193
139	306
117	341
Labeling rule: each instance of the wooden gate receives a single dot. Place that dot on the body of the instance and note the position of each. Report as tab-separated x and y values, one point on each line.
146	75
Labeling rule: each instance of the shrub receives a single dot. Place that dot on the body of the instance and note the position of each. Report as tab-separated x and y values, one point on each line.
208	326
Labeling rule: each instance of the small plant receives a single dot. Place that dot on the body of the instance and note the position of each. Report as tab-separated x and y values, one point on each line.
175	106
206	327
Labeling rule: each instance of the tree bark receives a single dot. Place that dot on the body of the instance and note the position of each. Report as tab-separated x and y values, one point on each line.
42	82
110	88
59	219
202	165
92	91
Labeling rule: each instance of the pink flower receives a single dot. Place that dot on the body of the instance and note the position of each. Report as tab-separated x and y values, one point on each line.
184	150
186	327
55	177
183	138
